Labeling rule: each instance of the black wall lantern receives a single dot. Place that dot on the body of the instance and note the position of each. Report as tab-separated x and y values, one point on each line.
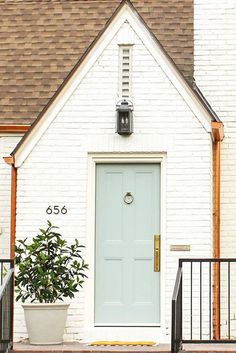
124	110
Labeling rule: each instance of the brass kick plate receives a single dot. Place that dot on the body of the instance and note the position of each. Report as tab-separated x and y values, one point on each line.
157	252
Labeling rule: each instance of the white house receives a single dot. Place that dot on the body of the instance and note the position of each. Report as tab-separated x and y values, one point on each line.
124	187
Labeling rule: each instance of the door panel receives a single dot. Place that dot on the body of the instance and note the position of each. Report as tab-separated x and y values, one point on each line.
127	290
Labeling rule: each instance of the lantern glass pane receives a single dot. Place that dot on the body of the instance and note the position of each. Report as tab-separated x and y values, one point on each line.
124	122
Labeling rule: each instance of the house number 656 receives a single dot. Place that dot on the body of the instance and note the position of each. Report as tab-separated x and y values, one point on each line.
56	210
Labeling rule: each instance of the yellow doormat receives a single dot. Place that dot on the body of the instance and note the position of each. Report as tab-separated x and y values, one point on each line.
122	343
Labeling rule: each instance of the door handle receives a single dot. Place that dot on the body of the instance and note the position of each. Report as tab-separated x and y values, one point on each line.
157	252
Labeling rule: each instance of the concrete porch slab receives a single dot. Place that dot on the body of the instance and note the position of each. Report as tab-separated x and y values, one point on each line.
25	347
70	347
212	348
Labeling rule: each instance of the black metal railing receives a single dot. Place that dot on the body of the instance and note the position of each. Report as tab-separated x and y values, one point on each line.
176	341
204	302
6	304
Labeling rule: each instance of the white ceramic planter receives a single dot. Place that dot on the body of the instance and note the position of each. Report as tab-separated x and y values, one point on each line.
45	322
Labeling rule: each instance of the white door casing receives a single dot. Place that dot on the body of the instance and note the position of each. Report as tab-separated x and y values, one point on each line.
90	331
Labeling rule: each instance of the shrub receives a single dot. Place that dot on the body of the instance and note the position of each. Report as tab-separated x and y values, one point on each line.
48	268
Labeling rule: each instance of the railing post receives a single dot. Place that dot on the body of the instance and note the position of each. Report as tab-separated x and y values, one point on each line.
173	328
6	305
181	305
176	324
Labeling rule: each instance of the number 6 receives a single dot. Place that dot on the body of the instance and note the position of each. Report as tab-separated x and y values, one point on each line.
64	210
49	210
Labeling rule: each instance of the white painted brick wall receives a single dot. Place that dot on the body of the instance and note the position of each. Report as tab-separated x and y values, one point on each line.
7	144
215	73
56	172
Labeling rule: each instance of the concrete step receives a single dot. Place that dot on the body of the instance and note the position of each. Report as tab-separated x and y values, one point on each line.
210	348
101	350
75	347
84	348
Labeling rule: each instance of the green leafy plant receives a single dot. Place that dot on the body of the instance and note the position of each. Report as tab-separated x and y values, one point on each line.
48	268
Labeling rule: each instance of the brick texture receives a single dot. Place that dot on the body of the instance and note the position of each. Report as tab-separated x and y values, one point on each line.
56	171
215	72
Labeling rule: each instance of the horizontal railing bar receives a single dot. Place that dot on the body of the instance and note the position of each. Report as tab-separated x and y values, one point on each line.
7	261
5	282
207	260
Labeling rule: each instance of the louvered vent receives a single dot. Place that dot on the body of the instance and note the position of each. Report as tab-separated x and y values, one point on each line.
125	71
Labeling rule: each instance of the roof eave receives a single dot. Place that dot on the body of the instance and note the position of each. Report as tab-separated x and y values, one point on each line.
193	98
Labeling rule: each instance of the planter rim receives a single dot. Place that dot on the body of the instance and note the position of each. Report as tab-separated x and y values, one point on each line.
45	305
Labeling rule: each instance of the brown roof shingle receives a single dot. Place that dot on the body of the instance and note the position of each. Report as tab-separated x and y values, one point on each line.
42	40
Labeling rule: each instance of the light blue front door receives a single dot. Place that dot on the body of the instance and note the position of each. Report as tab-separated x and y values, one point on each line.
127	290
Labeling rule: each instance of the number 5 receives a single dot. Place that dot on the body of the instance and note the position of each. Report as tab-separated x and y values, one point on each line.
56	209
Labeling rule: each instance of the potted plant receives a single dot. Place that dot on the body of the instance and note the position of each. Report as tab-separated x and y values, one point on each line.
48	270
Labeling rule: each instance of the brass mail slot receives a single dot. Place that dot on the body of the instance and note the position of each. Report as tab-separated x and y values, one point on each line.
180	247
157	252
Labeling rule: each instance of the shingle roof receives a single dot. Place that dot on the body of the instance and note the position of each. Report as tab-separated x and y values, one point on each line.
42	40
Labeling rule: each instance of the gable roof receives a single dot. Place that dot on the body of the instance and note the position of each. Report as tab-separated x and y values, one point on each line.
125	12
42	40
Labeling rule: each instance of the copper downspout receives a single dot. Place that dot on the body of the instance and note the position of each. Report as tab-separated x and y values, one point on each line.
10	161
13	225
218	135
216	251
13	210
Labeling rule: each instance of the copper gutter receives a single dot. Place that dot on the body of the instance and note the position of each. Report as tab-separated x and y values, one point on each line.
19	129
218	135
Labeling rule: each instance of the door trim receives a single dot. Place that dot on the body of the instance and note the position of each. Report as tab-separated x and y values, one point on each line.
112	158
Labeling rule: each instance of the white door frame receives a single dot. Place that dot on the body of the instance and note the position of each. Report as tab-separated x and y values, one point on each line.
92	332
